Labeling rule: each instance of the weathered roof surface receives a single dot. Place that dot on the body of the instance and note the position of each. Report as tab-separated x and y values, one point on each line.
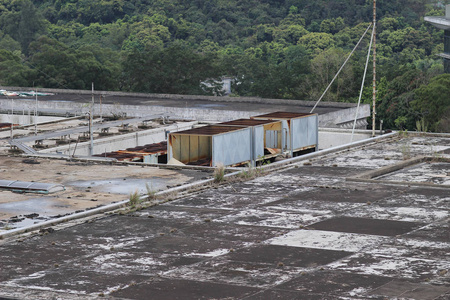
282	115
247	122
209	130
305	232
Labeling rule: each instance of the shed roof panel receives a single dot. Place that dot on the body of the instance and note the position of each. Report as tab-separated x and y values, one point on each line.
208	130
283	115
247	122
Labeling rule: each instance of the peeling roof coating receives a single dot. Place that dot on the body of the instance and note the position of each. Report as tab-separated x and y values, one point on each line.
30	187
208	130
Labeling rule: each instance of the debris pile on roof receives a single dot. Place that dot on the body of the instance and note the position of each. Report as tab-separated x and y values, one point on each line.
30	187
23	94
137	153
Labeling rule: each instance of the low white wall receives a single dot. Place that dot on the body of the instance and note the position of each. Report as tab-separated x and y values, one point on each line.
26	119
121	142
330	137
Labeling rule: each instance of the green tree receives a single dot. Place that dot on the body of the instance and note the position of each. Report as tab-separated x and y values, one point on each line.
332	26
22	22
324	67
316	42
59	66
432	101
13	71
172	70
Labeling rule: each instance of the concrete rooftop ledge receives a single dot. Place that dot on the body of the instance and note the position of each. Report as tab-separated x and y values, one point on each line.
439	22
187	97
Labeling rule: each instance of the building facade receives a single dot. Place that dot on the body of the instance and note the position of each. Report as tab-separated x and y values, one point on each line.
443	23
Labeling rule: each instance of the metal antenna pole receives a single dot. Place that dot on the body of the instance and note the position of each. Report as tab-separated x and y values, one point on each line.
91	134
101	115
35	112
374	93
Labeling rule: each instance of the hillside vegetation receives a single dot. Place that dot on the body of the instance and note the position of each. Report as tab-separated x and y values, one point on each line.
287	49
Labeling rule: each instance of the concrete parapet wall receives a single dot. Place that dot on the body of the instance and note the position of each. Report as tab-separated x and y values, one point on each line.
330	137
27	119
188	97
331	119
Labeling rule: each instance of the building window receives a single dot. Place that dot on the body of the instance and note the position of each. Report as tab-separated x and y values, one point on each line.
447	41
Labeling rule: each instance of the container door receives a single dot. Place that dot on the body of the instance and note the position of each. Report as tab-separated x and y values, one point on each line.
272	139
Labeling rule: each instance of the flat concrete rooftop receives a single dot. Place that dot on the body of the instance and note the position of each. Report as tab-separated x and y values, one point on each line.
190	101
314	230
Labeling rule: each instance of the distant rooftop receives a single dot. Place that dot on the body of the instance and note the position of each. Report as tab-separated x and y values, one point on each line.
441	22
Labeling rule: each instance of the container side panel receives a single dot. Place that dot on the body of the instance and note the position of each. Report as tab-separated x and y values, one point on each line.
258	138
170	147
231	148
193	148
204	150
184	147
175	146
272	139
312	130
285	139
300	133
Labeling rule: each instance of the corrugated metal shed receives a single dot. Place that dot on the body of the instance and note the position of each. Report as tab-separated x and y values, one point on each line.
211	145
30	187
300	131
265	137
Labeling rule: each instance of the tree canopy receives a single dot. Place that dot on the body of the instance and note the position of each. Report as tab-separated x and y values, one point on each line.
279	49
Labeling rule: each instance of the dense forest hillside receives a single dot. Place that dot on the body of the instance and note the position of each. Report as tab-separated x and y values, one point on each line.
272	48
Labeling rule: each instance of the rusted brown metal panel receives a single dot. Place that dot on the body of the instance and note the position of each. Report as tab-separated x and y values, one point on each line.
193	148
247	122
184	148
175	141
208	130
204	149
281	115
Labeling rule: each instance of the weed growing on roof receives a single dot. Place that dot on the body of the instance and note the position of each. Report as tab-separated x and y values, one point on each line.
251	172
421	125
135	198
405	148
219	173
151	192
